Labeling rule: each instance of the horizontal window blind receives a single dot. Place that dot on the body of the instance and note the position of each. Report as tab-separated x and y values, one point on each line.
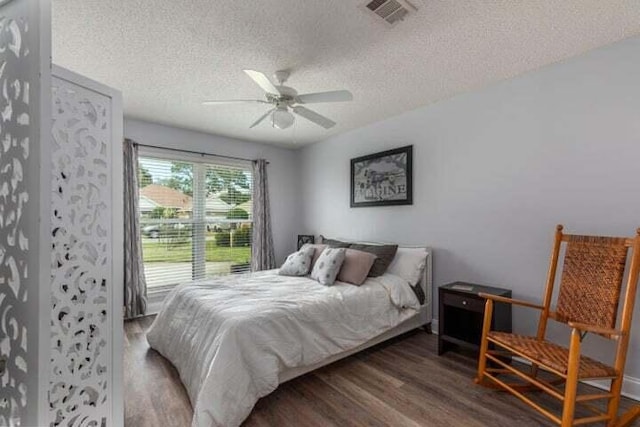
195	219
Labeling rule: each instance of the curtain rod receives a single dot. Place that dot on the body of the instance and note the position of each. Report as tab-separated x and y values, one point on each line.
196	152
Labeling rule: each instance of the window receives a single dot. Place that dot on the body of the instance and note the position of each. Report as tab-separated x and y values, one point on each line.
195	218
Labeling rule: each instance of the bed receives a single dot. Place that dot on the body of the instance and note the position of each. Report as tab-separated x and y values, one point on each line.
233	339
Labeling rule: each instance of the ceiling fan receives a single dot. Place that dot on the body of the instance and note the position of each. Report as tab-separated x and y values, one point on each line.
286	100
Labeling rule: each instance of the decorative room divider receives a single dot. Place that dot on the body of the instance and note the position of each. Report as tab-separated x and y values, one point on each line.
86	258
24	91
60	234
14	203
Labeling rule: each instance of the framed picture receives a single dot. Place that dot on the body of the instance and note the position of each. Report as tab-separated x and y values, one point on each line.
303	239
383	179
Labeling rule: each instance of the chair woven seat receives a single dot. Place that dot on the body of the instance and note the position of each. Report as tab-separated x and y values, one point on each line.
548	354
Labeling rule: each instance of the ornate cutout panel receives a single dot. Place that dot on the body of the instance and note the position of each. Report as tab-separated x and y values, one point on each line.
82	256
14	203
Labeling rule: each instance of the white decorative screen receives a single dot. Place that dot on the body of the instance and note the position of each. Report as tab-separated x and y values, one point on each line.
15	201
81	188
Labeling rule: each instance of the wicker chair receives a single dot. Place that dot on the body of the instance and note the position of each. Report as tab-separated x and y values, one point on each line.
588	299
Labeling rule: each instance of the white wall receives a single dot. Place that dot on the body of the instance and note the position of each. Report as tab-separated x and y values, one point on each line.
283	171
496	170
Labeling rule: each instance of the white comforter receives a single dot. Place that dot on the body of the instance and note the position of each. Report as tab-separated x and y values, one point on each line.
230	337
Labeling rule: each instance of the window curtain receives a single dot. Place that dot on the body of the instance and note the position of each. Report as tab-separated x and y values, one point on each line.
262	256
135	286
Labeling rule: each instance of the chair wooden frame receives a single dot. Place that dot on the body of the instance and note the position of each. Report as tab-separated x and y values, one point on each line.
491	349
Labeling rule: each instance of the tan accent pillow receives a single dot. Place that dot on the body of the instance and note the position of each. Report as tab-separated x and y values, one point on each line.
356	266
318	250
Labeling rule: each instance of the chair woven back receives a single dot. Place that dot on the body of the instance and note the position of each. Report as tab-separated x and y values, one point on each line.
591	280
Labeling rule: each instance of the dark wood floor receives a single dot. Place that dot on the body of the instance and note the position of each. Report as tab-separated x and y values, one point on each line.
399	383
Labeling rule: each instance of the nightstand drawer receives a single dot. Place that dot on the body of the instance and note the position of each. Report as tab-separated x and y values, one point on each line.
465	302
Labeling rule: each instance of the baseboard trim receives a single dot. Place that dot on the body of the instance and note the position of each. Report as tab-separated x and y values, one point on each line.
630	387
434	326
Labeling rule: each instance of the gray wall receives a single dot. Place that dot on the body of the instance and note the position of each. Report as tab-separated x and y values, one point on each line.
496	170
283	171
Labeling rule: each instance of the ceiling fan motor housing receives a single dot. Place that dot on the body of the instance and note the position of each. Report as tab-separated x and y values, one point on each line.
287	95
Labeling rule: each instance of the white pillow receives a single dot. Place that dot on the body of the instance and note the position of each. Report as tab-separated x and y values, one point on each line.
409	264
328	265
318	250
298	263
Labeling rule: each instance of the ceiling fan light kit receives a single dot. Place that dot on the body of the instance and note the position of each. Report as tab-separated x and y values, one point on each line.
285	100
282	119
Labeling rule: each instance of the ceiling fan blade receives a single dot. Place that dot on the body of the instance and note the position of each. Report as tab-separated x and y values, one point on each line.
314	117
257	122
332	96
262	81
235	101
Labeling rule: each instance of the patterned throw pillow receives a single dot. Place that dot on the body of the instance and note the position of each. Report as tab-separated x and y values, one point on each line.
298	263
318	250
328	265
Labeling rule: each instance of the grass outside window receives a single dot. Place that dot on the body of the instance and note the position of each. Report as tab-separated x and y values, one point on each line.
160	251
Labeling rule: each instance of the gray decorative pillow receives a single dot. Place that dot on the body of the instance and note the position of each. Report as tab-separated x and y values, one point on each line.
328	265
385	254
298	263
334	243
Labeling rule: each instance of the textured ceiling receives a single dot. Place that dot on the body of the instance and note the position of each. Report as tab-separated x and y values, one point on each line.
168	56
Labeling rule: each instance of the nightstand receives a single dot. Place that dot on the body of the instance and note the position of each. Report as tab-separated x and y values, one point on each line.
462	313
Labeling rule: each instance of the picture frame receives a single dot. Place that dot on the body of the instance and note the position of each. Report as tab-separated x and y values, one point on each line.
303	239
383	179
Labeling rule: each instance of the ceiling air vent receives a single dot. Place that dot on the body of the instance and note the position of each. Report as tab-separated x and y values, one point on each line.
392	11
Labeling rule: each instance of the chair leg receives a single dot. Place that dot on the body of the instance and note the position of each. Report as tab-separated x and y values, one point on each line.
629	417
614	402
534	370
571	387
484	343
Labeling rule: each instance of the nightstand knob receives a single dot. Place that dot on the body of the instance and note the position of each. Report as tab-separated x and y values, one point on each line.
464	302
